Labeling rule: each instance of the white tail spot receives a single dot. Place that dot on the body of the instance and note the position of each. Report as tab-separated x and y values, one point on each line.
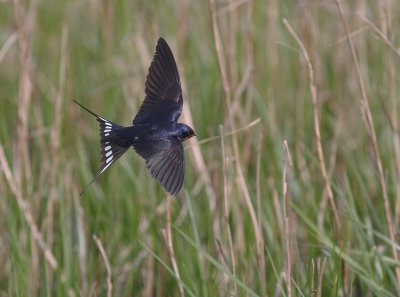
109	159
106	134
107	130
108	124
108	154
107	147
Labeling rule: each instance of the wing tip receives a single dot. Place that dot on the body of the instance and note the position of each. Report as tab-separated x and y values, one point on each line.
175	192
162	41
162	46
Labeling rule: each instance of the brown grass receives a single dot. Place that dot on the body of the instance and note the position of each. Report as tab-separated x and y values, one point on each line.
369	124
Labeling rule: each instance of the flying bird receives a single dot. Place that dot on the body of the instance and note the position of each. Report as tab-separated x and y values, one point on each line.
155	133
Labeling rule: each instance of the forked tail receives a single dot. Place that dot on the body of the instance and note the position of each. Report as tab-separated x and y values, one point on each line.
112	147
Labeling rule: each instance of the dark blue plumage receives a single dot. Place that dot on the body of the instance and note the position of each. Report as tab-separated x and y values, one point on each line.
155	134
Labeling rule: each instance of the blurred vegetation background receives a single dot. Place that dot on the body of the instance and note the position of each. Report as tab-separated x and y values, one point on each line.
300	197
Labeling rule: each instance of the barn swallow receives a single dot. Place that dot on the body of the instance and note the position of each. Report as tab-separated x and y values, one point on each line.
155	133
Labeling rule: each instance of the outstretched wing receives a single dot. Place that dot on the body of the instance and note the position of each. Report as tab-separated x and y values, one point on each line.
165	161
163	101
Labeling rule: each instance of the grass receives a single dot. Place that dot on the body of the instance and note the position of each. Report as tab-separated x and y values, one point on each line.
300	197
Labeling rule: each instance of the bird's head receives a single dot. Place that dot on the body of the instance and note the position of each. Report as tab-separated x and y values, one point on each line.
185	132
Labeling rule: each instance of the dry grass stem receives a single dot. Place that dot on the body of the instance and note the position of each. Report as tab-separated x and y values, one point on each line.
232	5
143	50
321	270
200	164
286	210
369	124
392	114
244	128
227	91
149	272
24	207
314	98
313	291
197	154
382	36
224	261
55	141
241	88
106	263
393	89
82	241
26	25
73	188
226	208
332	163
167	235
261	260
7	45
